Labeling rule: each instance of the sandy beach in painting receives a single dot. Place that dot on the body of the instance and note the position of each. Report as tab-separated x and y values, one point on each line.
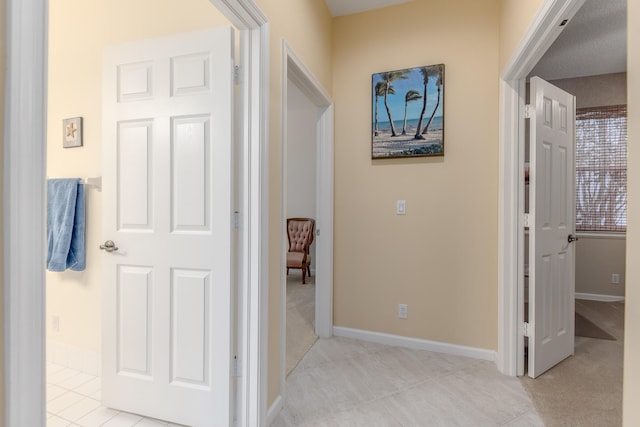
385	145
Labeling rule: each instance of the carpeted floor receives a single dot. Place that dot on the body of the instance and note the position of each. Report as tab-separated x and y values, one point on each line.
300	318
585	390
586	328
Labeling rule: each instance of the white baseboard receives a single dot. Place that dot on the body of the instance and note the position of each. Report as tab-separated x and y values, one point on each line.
73	357
415	343
599	297
274	409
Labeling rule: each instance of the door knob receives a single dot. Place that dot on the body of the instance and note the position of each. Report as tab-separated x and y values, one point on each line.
109	246
572	238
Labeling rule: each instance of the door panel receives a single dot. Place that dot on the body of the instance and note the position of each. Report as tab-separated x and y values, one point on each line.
552	207
190	180
167	205
134	330
190	316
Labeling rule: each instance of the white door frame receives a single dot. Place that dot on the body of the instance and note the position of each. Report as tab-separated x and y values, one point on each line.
294	70
544	29
24	210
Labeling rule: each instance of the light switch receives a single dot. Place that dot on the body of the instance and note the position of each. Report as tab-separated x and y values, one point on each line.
401	207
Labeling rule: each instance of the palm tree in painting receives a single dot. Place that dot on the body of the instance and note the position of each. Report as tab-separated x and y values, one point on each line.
439	86
388	78
411	95
426	73
379	91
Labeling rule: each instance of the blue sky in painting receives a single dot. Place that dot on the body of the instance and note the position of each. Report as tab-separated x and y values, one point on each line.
396	102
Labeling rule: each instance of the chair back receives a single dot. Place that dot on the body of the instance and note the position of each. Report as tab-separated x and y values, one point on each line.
300	234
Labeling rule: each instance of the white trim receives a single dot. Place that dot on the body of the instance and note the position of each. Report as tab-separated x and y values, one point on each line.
540	35
295	71
415	343
69	356
324	242
542	32
284	126
275	409
253	206
23	210
509	240
599	297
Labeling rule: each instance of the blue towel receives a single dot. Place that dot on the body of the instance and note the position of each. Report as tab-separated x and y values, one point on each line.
65	225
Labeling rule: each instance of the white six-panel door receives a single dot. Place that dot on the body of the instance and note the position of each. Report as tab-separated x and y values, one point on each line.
167	137
552	207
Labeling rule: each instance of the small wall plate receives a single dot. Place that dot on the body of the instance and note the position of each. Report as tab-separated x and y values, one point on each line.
72	132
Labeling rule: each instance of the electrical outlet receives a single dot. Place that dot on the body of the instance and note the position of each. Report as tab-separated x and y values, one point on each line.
403	312
615	278
401	207
55	323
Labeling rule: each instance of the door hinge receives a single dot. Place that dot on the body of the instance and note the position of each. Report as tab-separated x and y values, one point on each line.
526	220
527	329
236	74
236	220
527	111
236	367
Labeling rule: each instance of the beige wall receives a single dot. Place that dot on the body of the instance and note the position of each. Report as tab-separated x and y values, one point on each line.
598	258
441	257
631	409
596	91
306	26
75	87
515	19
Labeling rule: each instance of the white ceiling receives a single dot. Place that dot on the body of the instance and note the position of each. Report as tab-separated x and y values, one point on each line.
593	42
347	7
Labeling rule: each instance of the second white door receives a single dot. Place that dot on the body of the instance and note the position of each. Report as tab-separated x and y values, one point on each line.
552	207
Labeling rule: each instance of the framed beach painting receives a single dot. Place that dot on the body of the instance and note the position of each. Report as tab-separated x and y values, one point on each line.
408	113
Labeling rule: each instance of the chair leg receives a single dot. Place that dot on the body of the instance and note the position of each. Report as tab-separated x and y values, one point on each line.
309	271
304	270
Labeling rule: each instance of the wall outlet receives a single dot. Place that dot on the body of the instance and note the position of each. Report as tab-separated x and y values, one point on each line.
401	207
55	323
403	312
615	278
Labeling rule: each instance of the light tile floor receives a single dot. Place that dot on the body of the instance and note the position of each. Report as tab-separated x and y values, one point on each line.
73	399
344	382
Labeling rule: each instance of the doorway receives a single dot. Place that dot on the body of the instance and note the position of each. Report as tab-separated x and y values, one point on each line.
301	185
542	33
306	90
534	45
24	196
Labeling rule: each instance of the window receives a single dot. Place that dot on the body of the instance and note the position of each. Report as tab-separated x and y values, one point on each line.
601	169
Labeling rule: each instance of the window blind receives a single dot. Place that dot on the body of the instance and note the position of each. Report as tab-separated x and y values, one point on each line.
601	169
